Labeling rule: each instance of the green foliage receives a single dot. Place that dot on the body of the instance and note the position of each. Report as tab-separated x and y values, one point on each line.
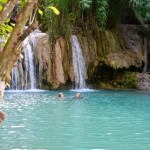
85	4
55	10
4	1
7	85
78	12
142	9
22	3
45	20
40	12
5	29
129	79
102	9
48	7
1	7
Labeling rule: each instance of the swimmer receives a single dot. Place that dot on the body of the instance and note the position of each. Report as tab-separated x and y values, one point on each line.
77	96
61	95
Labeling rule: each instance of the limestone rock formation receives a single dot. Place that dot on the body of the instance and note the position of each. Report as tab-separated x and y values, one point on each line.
124	59
143	81
109	57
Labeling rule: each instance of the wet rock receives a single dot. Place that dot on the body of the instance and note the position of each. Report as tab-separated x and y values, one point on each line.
143	81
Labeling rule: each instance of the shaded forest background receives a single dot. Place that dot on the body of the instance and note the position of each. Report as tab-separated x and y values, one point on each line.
91	14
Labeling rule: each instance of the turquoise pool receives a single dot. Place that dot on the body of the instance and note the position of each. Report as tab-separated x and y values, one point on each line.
102	120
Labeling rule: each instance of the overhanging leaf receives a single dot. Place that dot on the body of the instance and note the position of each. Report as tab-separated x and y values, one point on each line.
4	1
12	24
56	11
40	12
7	85
3	44
1	7
7	20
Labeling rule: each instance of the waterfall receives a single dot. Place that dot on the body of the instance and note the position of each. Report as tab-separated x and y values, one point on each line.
24	75
78	64
29	63
14	77
16	82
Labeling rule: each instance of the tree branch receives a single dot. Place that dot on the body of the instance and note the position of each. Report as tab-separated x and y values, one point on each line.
9	54
7	10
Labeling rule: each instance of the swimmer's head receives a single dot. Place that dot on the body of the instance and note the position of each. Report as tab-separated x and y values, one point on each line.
77	95
61	95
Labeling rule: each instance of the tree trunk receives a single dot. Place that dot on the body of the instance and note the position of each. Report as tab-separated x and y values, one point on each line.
11	51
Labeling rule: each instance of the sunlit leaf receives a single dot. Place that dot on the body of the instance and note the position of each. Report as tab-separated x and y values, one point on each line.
56	11
9	28
4	1
7	85
12	24
7	20
40	12
3	44
1	7
23	2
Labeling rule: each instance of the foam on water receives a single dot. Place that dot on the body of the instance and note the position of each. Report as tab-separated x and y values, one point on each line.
83	90
19	91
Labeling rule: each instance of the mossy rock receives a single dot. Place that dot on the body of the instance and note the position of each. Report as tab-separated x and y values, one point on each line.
129	79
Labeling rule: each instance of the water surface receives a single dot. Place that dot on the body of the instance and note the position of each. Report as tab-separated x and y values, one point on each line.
102	120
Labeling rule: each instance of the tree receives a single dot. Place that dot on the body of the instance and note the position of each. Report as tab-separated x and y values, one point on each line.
105	14
11	50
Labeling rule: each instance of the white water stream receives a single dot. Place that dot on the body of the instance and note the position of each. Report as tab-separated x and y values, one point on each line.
78	64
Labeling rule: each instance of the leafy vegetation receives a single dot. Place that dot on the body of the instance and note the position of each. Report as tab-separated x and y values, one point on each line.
102	11
80	13
142	9
129	79
5	29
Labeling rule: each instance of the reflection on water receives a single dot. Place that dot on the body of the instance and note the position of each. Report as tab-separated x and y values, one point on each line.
102	120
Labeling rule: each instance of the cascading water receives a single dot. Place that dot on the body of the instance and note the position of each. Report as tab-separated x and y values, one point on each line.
14	77
23	76
78	64
29	63
17	77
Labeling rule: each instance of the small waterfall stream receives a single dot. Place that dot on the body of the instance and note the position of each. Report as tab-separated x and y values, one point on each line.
14	77
24	76
29	63
78	64
17	77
